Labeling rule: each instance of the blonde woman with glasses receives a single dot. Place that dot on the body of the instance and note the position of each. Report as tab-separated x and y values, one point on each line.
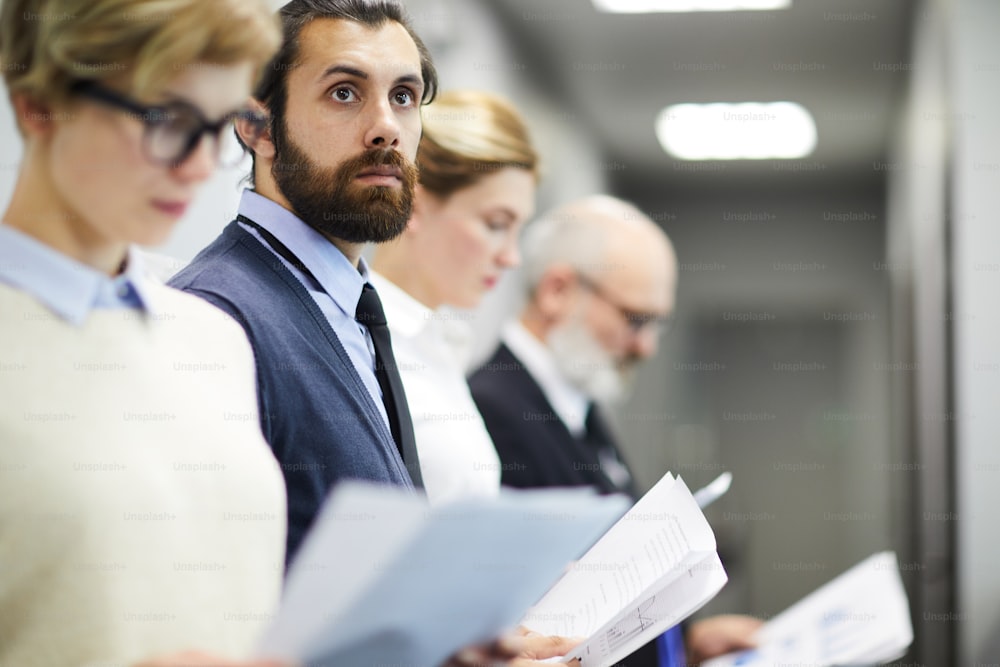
141	512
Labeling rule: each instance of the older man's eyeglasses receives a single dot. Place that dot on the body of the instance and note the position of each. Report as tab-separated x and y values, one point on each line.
171	131
637	321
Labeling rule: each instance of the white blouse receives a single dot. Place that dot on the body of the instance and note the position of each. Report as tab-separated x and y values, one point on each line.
457	457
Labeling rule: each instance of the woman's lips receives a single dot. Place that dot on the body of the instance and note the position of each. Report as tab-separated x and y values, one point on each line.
174	209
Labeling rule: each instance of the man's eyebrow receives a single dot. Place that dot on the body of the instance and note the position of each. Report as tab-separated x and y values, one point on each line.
343	69
360	74
411	78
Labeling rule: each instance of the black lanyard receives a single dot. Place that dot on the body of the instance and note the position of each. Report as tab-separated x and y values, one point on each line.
277	246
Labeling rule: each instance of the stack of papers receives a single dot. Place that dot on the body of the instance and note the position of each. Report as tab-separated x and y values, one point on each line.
861	617
385	579
653	569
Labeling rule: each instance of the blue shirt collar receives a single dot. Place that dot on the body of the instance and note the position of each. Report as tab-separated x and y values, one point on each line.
65	286
331	269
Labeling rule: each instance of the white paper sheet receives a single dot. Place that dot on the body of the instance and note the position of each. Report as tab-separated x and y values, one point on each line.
655	567
861	617
385	579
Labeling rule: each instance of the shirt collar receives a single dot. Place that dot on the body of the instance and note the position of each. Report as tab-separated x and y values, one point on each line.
568	402
140	276
65	286
403	313
330	268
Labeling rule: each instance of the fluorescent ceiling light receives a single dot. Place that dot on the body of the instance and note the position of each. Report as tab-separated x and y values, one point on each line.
747	131
653	6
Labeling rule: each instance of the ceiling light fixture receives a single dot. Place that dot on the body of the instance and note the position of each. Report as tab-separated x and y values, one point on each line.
746	131
655	6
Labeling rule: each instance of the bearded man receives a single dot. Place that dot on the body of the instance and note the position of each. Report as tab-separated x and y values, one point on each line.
334	172
599	281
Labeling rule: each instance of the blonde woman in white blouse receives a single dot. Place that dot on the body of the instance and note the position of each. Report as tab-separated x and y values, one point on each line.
478	174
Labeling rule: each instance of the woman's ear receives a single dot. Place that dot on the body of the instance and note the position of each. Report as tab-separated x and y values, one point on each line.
258	141
34	118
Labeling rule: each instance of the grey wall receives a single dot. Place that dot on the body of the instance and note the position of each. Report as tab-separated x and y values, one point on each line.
944	242
778	370
923	413
975	99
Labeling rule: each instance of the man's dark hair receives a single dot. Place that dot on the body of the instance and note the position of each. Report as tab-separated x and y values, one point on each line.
272	90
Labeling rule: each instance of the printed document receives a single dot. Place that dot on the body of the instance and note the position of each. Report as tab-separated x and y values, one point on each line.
653	569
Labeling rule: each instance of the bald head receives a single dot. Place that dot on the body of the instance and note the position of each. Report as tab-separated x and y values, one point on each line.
605	239
598	276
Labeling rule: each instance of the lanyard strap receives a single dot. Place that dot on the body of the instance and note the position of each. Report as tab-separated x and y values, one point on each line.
276	245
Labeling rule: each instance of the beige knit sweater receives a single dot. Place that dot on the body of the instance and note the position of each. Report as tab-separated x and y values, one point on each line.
141	511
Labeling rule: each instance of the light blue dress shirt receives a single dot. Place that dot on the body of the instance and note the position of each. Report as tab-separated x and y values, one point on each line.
65	286
335	284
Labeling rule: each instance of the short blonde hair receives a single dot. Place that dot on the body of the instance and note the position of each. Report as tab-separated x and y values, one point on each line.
467	135
47	45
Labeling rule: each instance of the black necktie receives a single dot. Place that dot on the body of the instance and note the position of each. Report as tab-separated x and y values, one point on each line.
598	436
370	314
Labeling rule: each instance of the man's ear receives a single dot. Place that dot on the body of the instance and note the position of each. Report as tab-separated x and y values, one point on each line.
261	144
554	293
34	118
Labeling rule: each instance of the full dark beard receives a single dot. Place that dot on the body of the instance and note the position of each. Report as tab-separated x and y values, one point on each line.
331	202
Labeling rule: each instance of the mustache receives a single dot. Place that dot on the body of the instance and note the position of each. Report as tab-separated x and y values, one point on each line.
378	157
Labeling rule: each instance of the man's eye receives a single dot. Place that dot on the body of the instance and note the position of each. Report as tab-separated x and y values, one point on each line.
497	225
343	95
404	97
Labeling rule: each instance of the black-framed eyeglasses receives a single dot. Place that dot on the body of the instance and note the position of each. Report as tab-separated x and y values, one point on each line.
171	131
637	321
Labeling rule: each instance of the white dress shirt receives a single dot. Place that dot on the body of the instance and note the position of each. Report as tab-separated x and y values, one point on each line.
457	457
568	401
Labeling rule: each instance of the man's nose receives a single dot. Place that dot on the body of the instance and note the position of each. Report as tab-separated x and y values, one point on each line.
384	130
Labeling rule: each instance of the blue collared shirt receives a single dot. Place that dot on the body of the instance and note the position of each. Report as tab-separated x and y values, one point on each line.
335	284
65	286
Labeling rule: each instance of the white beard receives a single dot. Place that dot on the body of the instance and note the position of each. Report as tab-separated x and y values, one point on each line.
581	359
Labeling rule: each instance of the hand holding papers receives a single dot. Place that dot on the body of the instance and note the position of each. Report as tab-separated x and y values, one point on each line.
384	579
861	617
653	569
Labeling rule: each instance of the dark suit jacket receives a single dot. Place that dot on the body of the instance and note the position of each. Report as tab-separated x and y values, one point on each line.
536	449
315	411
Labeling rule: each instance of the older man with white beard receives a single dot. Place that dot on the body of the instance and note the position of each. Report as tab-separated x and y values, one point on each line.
600	279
